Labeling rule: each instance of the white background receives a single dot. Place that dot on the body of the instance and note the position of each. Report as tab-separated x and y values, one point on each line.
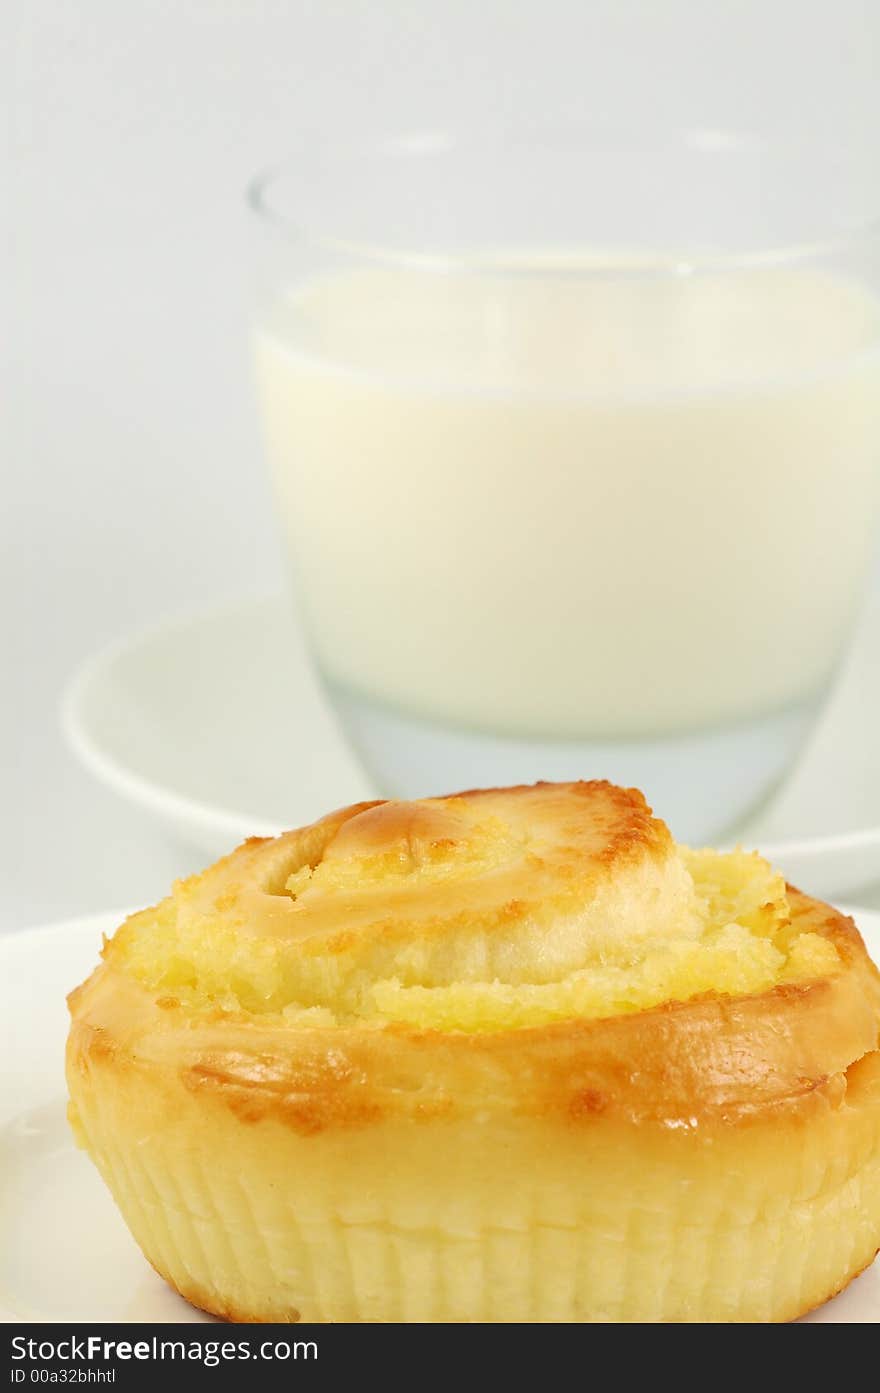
133	485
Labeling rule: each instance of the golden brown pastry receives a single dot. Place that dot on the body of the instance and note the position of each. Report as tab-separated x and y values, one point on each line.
511	1055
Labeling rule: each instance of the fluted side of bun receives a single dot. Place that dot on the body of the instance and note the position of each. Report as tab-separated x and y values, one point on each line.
507	1055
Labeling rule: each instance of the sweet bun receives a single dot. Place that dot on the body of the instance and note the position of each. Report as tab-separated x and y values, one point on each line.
511	1055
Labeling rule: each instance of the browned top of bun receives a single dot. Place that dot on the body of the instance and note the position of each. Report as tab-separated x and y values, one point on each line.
545	949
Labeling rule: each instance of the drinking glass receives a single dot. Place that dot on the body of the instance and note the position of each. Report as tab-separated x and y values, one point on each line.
574	437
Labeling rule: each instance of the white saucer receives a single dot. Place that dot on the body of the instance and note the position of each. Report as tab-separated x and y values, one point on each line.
65	1254
218	727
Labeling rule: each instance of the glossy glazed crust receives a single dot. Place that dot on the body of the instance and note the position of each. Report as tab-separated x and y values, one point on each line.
714	1158
491	1216
494	881
527	851
710	1060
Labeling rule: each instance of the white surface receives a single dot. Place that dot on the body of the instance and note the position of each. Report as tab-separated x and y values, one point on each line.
132	481
65	1253
142	717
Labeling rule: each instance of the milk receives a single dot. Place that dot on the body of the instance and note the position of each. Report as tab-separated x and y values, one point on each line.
594	507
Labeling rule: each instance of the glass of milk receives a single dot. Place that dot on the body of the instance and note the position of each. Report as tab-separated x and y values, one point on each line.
575	441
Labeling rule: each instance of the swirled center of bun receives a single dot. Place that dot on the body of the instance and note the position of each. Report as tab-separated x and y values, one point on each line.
489	910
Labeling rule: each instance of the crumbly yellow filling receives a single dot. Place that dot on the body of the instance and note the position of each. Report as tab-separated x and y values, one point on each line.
706	921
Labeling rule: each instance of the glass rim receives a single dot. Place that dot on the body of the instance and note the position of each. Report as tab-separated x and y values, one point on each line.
584	261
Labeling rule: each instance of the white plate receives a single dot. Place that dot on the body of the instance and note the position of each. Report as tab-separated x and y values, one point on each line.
65	1254
217	725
